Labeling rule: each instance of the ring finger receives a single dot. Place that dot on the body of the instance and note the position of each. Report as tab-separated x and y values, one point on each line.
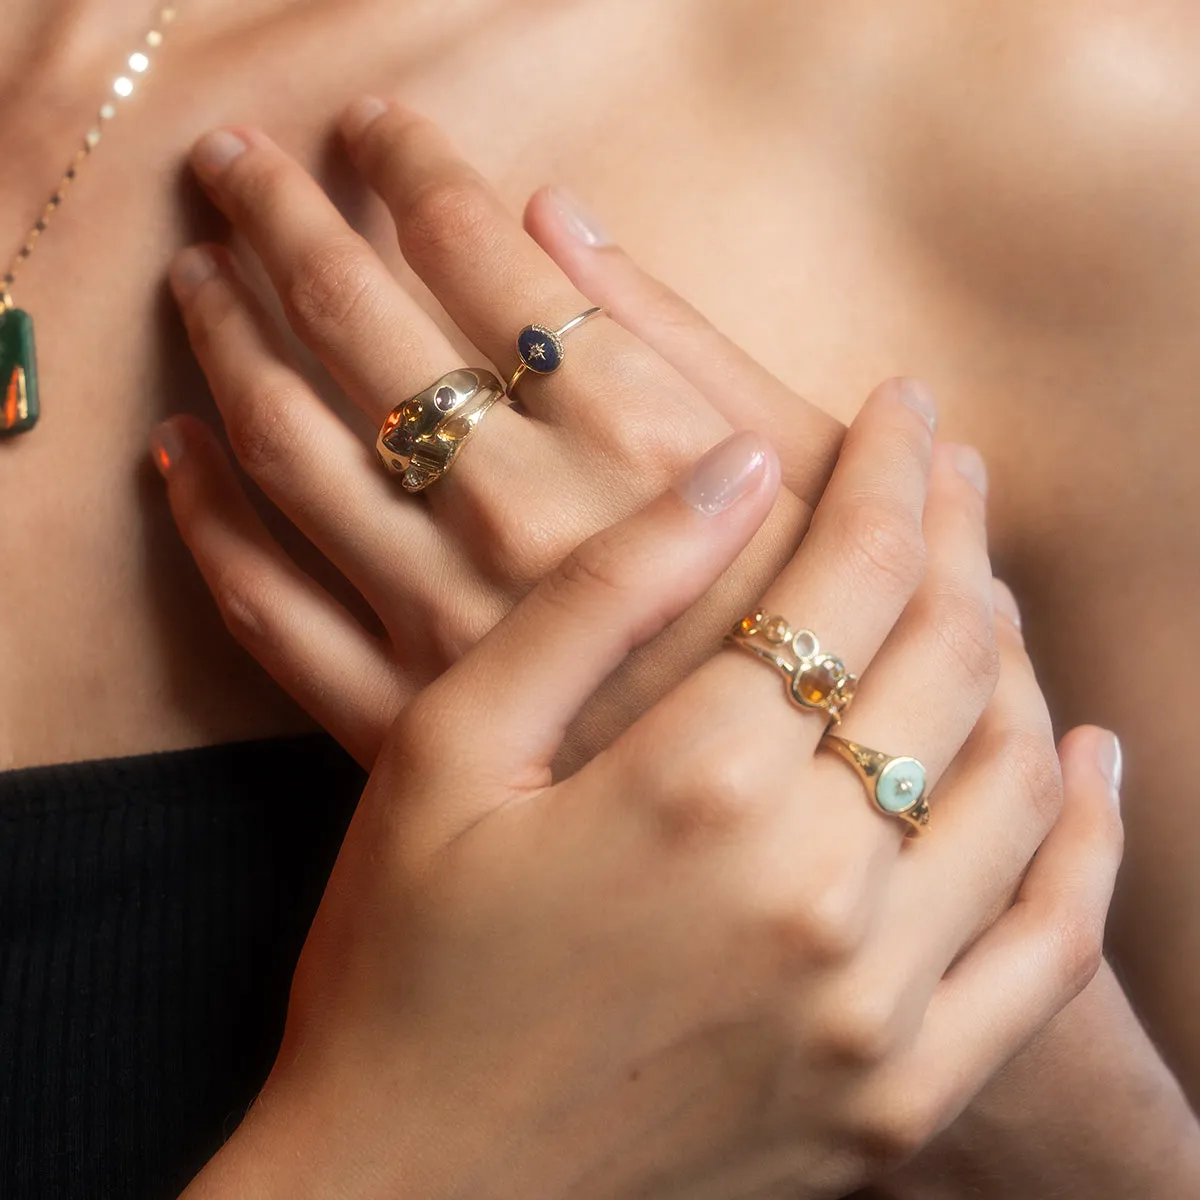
493	278
925	690
338	296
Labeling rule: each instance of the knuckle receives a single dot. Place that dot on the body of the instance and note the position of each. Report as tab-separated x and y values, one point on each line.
862	1029
329	289
714	795
898	1127
243	599
519	542
1083	952
964	627
419	735
825	930
260	185
1031	765
264	430
1078	951
885	544
207	319
446	213
596	566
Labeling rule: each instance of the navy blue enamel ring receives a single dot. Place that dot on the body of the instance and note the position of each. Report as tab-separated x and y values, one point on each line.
541	349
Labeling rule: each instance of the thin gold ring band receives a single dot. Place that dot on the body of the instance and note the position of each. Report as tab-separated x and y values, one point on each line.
540	348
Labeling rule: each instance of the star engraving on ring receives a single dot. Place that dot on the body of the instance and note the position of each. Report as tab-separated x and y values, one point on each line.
538	350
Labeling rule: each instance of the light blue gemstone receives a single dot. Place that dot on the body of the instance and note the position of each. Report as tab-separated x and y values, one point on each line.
900	785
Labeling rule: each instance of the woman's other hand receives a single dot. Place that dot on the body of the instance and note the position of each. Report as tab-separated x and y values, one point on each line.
591	443
703	965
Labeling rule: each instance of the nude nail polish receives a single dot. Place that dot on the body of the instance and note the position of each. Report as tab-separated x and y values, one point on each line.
575	218
920	399
214	152
730	470
192	268
1112	763
968	462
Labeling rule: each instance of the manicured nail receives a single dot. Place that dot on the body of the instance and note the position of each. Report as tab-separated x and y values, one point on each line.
214	152
920	399
577	220
166	448
1005	602
970	465
189	270
725	474
1111	762
361	115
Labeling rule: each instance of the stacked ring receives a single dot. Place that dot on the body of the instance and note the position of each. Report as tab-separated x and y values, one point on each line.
815	681
541	349
422	437
896	786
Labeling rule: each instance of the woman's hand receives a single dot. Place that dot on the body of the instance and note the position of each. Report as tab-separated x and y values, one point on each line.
592	443
701	966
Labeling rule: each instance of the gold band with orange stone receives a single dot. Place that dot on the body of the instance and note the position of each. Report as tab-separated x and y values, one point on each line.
814	681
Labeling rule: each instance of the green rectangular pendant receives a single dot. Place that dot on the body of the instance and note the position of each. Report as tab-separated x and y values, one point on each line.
18	373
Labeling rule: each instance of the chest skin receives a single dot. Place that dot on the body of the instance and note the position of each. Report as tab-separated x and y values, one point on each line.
996	198
820	178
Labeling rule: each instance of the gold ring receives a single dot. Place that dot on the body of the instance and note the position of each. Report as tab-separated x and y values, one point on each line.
896	786
815	681
541	349
422	437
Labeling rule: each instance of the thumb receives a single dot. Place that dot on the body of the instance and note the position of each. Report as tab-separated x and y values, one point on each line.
522	685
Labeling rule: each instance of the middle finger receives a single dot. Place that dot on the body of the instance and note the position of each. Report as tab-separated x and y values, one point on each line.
494	279
339	297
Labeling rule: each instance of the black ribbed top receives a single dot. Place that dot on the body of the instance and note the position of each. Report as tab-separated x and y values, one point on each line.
151	913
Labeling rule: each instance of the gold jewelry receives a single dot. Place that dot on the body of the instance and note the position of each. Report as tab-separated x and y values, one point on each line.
896	786
19	407
814	680
541	349
422	437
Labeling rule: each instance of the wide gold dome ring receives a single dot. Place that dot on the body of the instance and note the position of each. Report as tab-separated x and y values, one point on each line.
422	437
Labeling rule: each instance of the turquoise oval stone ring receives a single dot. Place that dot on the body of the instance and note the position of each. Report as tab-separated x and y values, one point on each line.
540	348
896	785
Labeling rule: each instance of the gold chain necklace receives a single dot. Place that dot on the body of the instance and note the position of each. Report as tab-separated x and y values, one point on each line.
18	357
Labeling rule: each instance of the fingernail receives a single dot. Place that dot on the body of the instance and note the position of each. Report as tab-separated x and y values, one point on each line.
577	220
920	399
725	474
189	270
1005	602
215	151
361	115
166	448
970	465
1111	762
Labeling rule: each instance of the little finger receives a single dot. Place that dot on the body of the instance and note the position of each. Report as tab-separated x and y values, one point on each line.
309	463
314	649
928	685
1029	965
